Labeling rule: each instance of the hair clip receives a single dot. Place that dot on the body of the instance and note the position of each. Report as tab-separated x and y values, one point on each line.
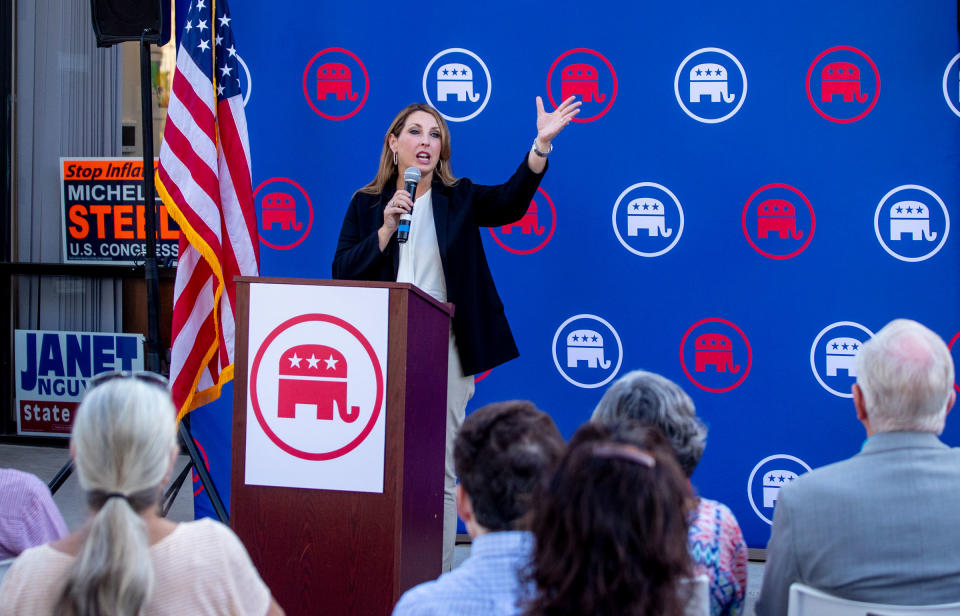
626	452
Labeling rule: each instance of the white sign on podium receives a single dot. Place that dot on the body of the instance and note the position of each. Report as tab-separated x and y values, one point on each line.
317	366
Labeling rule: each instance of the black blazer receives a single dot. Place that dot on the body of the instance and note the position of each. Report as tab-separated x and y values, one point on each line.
479	324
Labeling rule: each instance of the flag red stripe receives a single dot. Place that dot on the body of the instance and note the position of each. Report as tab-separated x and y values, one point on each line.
201	172
200	114
183	383
188	297
234	149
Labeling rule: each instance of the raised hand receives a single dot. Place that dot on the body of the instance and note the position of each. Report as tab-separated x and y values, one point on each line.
550	124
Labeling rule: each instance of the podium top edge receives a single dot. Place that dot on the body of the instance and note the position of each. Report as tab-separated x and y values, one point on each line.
445	307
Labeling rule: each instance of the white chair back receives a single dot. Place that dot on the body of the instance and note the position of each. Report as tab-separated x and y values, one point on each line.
699	602
4	565
808	601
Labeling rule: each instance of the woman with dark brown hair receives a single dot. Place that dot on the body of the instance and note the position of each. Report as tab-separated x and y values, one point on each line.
611	528
443	252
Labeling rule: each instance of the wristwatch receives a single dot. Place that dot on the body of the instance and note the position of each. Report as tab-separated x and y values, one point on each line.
538	152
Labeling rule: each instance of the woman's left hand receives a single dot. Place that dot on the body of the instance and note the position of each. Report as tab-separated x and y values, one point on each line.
550	124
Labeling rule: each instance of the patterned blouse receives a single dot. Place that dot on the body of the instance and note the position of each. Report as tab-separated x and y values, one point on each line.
719	551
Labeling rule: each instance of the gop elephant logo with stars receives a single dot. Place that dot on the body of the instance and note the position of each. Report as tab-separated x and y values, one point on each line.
910	217
457	83
533	231
719	354
709	79
456	79
768	477
585	345
911	223
710	85
833	356
587	351
778	221
586	75
648	214
648	219
843	84
335	83
841	354
313	377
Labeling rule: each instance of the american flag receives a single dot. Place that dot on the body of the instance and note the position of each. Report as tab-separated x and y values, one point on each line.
203	177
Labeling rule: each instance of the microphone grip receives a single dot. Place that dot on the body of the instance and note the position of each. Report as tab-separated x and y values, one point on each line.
403	229
411	188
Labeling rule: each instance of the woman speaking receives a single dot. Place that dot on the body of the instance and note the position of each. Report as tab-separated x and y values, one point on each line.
443	253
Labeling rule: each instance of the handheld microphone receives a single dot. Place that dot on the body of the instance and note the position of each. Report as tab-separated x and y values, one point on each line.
411	177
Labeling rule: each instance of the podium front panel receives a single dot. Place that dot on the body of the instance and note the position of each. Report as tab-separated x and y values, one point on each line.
337	487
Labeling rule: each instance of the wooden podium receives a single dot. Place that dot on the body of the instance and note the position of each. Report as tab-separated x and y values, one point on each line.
339	552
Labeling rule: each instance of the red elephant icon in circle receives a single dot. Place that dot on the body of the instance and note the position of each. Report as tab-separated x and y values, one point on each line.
314	375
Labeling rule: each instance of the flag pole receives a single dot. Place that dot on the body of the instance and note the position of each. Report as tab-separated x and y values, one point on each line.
150	201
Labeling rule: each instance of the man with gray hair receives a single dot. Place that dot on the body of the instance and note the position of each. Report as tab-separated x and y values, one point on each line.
716	543
881	526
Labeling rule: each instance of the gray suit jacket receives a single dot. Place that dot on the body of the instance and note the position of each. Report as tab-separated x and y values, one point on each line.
883	526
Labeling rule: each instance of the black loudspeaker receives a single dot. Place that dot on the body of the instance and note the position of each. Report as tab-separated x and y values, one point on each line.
117	21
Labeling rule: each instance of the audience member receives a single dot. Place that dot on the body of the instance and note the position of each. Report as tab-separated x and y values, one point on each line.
716	542
611	528
28	515
127	559
880	526
503	452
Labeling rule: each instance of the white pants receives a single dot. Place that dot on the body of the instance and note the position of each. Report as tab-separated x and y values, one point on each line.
459	391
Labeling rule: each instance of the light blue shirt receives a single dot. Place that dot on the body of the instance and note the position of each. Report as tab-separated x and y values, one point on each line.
485	583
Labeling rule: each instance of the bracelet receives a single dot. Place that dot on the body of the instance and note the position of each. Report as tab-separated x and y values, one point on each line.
538	152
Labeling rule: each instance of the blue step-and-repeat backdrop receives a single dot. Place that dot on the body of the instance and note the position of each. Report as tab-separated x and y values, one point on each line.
750	191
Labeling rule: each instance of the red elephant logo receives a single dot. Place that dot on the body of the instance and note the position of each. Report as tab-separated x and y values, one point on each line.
841	78
528	223
582	80
334	78
715	350
778	216
280	208
314	375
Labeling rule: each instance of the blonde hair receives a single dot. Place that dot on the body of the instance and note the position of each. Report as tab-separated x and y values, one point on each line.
387	167
123	437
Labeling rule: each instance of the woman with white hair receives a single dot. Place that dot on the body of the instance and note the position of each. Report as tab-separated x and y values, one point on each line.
715	540
127	560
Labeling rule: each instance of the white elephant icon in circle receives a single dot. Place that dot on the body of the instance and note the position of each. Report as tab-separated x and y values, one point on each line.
649	214
457	79
585	345
709	79
912	217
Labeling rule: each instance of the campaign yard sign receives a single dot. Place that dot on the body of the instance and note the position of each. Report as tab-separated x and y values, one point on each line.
104	216
53	368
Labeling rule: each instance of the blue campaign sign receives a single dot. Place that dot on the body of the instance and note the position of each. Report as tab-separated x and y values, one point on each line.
743	189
